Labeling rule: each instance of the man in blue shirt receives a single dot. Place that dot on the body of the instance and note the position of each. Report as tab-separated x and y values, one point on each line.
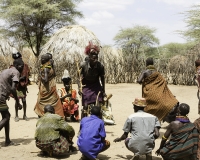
91	140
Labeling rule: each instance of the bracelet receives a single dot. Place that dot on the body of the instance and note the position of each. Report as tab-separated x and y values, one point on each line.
164	138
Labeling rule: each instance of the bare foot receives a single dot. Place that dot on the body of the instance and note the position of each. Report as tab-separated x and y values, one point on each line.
16	119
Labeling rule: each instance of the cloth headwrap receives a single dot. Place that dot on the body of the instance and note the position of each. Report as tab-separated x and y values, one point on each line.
66	76
16	55
91	47
18	62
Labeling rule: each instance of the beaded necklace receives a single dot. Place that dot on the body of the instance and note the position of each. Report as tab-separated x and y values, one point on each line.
182	119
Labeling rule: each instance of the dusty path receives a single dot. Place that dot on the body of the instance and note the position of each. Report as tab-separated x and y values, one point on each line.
123	94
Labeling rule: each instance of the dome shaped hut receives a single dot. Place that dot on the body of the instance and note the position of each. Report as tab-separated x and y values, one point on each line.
67	47
69	41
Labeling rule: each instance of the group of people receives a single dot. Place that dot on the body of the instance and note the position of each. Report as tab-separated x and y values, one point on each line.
54	136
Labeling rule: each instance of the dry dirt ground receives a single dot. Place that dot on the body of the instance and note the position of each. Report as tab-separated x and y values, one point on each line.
22	132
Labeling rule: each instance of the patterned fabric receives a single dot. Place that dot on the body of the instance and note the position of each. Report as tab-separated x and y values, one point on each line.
69	106
56	147
48	94
160	100
197	124
183	143
50	126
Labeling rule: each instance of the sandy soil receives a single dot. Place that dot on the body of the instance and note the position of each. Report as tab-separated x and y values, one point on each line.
123	94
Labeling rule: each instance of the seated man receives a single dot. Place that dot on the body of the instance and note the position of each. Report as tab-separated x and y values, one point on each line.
68	97
184	138
144	129
91	140
53	134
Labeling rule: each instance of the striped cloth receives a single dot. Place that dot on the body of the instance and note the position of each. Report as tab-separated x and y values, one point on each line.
183	143
197	124
160	100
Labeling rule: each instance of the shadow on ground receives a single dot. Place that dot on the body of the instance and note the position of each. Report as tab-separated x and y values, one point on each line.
20	141
103	157
141	157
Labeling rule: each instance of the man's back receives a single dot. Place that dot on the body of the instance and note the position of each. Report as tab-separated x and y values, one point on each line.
141	125
7	76
49	126
92	132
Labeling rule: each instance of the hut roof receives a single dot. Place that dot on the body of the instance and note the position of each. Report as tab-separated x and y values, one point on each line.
68	41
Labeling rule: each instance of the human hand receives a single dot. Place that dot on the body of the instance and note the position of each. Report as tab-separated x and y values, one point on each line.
158	152
19	106
117	140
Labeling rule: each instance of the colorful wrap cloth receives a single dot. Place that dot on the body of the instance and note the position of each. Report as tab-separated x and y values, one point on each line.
48	93
160	100
69	106
183	143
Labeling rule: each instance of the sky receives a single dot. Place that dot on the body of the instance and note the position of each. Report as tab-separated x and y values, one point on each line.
105	18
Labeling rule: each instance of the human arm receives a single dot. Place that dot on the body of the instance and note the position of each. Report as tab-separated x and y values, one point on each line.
123	137
141	77
45	78
164	138
67	95
14	93
156	132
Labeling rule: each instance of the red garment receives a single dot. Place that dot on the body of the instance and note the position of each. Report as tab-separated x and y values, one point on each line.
69	106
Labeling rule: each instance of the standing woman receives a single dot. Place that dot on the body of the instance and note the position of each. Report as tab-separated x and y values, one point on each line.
47	88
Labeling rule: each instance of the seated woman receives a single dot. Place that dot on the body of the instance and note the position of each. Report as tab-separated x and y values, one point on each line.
69	99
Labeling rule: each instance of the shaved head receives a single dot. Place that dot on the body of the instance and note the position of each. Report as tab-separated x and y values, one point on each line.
49	108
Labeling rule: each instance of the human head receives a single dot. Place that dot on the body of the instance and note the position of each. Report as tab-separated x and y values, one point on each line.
149	61
139	104
197	62
66	79
50	55
96	111
92	51
18	64
45	58
49	108
16	55
183	109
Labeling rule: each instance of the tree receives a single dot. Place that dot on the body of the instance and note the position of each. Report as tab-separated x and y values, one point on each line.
172	49
35	20
192	19
136	39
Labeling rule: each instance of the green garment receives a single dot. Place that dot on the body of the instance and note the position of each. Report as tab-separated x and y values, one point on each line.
49	127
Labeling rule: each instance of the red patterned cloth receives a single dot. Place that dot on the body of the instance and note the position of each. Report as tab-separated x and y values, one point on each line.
69	105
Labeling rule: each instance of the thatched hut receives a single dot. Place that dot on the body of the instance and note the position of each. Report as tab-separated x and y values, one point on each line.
69	41
67	44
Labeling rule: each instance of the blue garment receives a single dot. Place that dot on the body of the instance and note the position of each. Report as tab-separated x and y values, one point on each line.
92	135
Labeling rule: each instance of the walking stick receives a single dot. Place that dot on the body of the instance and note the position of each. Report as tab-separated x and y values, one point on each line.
79	81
